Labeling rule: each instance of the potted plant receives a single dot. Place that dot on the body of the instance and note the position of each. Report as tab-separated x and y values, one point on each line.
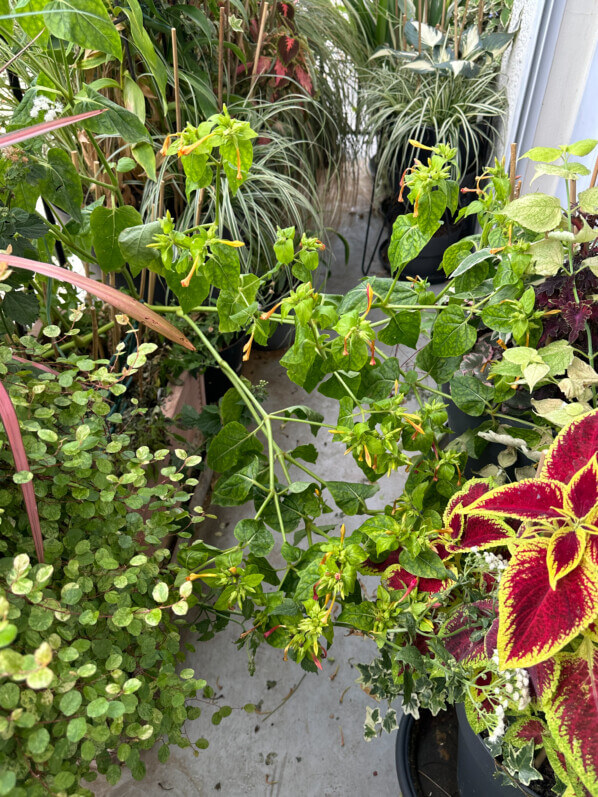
440	85
90	597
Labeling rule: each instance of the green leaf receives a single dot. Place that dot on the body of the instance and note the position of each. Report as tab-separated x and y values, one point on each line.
134	242
106	225
256	535
61	184
146	158
452	335
350	497
499	317
547	257
233	490
38	741
588	201
229	445
8	634
582	148
8	780
536	212
83	22
40	679
427	564
360	616
76	729
223	268
132	685
160	592
116	121
122	617
97	707
70	702
543	154
471	260
431	206
470	394
71	593
407	241
403	328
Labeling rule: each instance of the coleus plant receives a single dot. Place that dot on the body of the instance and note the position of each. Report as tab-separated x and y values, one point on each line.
548	592
281	58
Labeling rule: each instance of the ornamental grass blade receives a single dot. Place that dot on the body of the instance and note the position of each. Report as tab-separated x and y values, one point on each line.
13	432
8	139
126	304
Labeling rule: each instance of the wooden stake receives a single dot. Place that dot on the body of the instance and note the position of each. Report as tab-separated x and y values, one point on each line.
177	89
572	193
480	16
419	26
258	49
443	17
594	175
512	170
220	56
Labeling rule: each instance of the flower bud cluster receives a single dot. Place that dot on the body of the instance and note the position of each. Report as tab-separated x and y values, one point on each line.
45	104
513	691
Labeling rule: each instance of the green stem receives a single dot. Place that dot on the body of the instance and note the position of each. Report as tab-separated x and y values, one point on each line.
107	167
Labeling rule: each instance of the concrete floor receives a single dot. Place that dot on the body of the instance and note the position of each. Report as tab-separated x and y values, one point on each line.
307	738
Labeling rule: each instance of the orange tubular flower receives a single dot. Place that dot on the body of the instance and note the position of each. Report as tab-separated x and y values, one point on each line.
247	349
165	145
185	282
266	316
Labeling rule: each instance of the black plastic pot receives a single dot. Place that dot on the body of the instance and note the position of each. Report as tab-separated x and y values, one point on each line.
440	756
426	755
476	767
216	382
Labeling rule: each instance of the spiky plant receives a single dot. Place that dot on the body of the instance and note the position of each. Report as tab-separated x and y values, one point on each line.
400	106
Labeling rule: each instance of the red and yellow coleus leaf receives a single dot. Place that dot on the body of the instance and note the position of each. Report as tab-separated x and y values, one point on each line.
396	577
529	499
475	531
575	445
526	729
535	619
565	550
481	532
544	677
582	492
572	713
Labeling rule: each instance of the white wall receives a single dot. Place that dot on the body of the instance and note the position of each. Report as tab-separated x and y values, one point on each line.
551	76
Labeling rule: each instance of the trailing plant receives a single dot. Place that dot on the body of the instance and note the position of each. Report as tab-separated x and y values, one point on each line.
91	637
